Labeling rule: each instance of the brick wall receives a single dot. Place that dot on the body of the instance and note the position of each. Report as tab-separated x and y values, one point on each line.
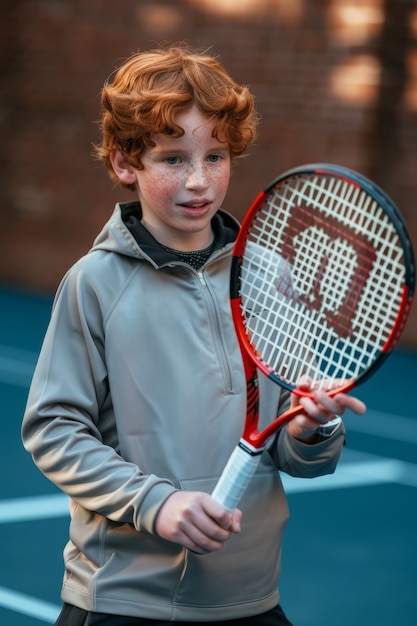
335	81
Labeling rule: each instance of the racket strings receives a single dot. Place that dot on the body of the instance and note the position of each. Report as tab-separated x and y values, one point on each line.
321	279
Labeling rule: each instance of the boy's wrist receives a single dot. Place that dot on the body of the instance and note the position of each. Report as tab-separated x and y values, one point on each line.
322	433
328	429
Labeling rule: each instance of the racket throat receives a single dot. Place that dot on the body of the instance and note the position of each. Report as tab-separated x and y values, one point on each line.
250	431
250	449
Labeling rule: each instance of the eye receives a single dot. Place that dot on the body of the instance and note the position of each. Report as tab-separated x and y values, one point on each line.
172	160
214	158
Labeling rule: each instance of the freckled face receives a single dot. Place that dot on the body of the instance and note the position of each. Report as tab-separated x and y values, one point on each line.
183	183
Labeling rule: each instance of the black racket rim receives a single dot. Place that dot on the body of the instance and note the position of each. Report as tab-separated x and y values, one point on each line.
371	188
384	201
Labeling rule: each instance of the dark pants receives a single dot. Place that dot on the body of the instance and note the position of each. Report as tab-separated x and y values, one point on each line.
72	616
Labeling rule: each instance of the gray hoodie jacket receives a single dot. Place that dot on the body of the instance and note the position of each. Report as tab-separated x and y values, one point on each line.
139	391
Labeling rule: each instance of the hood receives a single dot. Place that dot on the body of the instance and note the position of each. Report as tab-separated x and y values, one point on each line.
125	234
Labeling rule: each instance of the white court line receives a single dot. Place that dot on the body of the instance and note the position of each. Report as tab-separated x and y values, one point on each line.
16	366
31	508
352	474
357	474
385	425
27	605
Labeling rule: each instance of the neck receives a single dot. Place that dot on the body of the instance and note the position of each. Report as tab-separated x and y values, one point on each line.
185	242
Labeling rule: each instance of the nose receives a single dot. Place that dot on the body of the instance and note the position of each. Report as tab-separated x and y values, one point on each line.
197	176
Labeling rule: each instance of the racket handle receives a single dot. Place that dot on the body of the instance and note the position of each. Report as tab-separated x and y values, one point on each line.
235	478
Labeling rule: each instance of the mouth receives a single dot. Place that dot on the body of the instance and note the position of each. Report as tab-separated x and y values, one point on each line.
196	204
196	208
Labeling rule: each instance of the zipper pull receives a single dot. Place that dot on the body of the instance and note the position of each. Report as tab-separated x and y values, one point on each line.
201	279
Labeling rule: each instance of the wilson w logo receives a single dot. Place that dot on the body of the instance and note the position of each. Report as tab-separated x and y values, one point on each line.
330	265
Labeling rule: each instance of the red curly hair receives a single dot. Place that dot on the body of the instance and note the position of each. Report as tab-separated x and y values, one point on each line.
151	88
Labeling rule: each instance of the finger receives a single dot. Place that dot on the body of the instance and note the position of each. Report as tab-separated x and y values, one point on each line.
329	384
184	519
235	521
212	520
303	386
304	382
350	402
327	405
339	403
320	409
199	545
205	540
302	426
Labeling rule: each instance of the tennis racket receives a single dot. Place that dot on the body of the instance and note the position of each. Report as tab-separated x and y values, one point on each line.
322	282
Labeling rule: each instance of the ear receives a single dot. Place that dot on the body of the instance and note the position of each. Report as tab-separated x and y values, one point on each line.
122	168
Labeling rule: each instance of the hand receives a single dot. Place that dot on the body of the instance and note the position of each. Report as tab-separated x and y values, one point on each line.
320	410
196	521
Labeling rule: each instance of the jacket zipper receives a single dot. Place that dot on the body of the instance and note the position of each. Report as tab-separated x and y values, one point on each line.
201	278
223	356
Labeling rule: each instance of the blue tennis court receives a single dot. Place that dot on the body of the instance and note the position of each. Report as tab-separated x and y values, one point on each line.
350	555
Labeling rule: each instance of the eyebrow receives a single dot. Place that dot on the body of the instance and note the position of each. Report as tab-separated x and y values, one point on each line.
214	144
162	150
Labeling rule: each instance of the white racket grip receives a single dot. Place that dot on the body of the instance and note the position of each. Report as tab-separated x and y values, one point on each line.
235	478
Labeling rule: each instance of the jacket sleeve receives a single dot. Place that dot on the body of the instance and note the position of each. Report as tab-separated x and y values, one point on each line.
68	408
307	460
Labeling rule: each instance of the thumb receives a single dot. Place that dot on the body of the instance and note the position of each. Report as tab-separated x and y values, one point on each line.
304	385
235	521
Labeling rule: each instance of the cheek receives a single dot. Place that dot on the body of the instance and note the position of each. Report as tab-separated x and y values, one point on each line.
223	180
159	187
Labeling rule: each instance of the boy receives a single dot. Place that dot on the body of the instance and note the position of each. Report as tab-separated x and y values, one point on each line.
139	394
